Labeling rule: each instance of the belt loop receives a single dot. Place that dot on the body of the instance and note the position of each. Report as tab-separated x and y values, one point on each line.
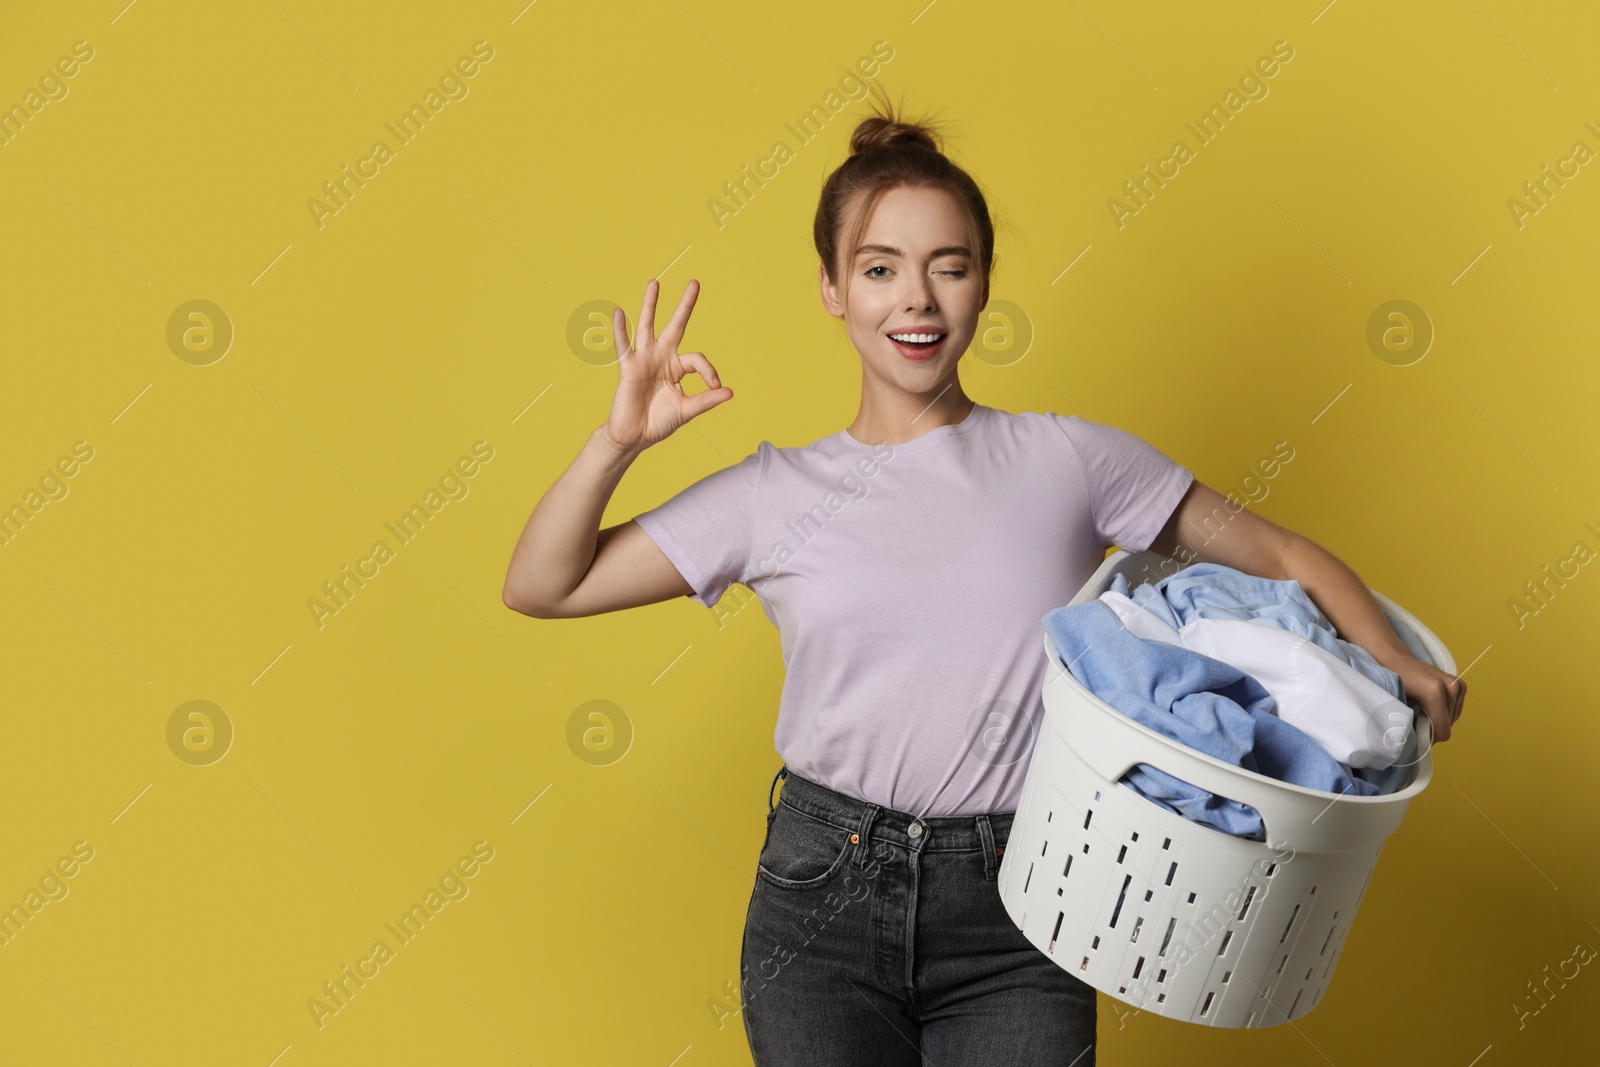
783	772
991	859
864	835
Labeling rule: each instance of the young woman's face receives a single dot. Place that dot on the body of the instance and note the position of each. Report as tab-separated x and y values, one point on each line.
911	273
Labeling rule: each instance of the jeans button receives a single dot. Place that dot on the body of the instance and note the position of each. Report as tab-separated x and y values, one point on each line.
914	830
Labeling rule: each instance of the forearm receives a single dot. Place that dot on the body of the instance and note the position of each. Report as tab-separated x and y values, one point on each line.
558	543
1343	597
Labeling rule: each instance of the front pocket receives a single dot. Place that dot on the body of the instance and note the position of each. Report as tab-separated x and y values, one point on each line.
802	851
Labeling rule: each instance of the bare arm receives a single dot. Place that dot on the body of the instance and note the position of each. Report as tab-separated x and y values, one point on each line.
1204	527
563	566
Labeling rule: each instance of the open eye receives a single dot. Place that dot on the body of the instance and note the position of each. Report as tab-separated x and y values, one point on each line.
869	270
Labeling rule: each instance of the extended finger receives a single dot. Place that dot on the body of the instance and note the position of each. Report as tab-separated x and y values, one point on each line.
672	333
619	331
647	311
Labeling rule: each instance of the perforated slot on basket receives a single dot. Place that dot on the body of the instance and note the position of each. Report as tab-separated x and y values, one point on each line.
1120	898
1139	966
1225	976
1121	852
1136	924
1225	939
1167	843
1088	815
1333	925
1286	929
1172	924
1247	898
1084	966
1172	871
1097	794
1096	942
1028	879
1206	1007
1270	868
1296	1001
1068	868
1162	977
1057	931
1044	847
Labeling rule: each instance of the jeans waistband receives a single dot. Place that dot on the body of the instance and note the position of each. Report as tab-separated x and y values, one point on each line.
927	833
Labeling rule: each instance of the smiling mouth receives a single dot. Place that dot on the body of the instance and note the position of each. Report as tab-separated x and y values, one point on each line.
921	348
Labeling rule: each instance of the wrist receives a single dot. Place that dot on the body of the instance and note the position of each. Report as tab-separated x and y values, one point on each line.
601	438
1390	653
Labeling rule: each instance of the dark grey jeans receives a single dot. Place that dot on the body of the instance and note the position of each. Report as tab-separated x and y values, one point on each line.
878	938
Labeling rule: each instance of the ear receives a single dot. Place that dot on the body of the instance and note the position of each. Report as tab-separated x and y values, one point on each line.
830	292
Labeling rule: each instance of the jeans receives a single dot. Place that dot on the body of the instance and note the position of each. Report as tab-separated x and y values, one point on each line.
875	937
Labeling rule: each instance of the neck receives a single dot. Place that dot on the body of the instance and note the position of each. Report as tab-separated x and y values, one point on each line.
895	417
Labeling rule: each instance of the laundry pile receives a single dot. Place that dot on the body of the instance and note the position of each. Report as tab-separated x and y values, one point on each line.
1247	670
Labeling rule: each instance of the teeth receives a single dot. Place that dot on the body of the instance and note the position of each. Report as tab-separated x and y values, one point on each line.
917	338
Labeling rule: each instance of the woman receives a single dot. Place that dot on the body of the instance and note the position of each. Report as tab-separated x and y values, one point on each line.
907	561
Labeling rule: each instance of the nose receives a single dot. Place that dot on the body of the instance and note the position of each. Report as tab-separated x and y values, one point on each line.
919	294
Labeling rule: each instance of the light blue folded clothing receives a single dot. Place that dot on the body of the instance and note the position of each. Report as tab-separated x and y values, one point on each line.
1215	591
1197	701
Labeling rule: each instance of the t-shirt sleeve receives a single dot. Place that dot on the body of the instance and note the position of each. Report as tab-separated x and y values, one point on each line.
705	530
1134	487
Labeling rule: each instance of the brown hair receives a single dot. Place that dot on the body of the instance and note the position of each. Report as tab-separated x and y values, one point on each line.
887	151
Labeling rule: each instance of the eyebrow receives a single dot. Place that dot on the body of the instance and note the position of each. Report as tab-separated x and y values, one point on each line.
887	250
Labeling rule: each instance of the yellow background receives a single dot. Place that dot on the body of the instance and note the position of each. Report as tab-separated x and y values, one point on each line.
430	312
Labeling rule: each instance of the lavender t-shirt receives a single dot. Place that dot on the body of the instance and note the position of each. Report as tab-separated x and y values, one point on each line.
909	583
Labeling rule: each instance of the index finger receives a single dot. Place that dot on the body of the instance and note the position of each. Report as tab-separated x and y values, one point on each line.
673	333
646	327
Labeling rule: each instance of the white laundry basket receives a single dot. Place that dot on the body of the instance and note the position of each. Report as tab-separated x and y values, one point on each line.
1167	914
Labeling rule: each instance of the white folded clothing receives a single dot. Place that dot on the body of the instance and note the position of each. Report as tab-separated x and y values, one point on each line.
1352	717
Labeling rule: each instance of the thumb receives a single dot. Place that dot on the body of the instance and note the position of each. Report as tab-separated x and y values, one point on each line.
702	402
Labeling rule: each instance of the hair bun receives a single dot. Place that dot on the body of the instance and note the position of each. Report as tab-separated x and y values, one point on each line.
876	132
